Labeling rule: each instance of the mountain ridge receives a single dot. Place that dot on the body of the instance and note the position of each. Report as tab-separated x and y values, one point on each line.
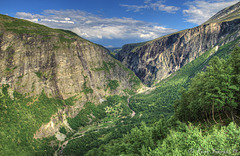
226	14
157	59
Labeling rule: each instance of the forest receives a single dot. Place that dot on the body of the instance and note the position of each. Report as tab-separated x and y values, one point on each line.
205	120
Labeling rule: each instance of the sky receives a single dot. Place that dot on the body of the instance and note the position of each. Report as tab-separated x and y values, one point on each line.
113	23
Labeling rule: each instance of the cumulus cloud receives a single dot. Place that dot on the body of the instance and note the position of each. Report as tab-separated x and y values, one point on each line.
199	11
91	26
148	4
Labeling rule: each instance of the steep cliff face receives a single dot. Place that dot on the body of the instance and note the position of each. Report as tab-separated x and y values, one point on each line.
35	58
157	59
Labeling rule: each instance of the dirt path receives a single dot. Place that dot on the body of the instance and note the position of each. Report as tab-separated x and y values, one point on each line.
133	112
59	151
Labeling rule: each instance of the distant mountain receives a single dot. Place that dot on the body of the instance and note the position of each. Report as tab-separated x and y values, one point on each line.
157	59
114	49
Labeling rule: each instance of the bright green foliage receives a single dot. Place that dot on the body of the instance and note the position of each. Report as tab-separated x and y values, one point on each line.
113	84
116	106
181	140
235	63
139	141
223	141
111	124
91	112
211	93
63	130
20	118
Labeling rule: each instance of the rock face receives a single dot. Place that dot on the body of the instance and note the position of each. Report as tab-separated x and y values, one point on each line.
35	58
157	59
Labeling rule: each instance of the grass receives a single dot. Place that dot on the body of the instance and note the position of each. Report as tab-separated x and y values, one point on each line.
106	66
20	26
39	74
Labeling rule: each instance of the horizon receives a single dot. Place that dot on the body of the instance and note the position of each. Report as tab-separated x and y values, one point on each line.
115	23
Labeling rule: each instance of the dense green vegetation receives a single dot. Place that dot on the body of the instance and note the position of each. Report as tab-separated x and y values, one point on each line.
164	140
113	84
21	117
63	130
97	125
90	113
214	92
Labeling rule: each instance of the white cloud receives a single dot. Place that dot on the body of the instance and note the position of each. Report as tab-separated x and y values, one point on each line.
91	26
110	46
200	11
157	6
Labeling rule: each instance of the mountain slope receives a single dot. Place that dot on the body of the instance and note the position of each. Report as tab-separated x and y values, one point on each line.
36	58
160	101
227	14
157	59
39	61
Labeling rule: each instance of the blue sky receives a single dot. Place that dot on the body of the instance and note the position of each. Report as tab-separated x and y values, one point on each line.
113	23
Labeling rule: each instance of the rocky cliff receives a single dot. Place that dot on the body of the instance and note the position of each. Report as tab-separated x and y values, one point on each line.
36	59
157	59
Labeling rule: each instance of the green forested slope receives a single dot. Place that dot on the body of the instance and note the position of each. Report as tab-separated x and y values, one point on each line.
21	117
216	92
115	140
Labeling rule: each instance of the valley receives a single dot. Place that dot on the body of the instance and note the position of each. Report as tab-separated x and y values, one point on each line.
61	94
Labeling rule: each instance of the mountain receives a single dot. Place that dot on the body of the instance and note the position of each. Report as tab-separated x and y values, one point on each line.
227	14
157	59
36	60
63	95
